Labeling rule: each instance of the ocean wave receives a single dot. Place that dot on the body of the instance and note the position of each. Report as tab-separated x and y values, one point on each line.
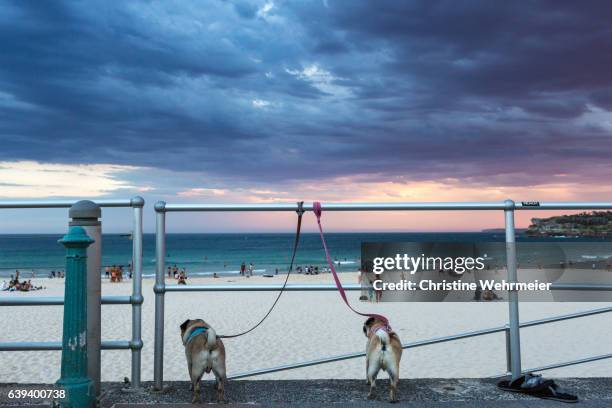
211	273
596	256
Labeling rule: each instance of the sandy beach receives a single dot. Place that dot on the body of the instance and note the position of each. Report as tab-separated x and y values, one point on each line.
309	325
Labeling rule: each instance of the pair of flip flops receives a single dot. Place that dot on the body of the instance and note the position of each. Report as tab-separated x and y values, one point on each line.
536	386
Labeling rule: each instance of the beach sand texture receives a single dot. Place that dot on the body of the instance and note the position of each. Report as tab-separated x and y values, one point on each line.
310	325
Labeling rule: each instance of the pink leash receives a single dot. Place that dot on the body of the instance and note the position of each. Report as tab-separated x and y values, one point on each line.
316	208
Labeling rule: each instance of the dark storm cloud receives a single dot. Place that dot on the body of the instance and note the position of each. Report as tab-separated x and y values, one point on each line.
512	92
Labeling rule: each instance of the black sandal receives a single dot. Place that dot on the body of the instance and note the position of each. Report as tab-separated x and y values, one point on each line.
554	392
535	385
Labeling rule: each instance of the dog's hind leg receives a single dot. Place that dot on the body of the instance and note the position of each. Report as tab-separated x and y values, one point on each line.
189	372
373	368
393	383
219	371
218	368
196	375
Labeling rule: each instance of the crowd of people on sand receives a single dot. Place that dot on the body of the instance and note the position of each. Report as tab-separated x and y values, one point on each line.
367	283
312	270
15	285
114	273
180	275
247	270
57	274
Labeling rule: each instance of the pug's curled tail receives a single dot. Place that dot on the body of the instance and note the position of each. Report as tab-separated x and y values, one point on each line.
384	338
211	338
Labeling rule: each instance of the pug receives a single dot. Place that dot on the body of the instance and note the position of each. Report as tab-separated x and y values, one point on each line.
204	352
383	351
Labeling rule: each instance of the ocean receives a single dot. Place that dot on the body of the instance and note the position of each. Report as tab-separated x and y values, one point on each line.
205	254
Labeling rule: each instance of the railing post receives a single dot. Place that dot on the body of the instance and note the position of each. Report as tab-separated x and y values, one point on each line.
86	214
159	289
513	323
80	390
508	353
137	204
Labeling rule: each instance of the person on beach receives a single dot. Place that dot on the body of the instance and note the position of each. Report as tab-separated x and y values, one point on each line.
182	278
378	293
251	268
107	272
169	272
242	269
5	285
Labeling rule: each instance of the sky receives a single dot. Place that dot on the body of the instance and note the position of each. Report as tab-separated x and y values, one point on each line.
278	101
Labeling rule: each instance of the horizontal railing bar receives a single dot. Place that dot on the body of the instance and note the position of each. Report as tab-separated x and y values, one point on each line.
68	203
569	363
560	365
348	356
435	340
31	346
116	345
416	206
338	206
258	288
581	286
117	300
58	301
57	345
591	312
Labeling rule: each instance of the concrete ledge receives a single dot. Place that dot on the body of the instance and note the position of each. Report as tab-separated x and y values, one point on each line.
426	393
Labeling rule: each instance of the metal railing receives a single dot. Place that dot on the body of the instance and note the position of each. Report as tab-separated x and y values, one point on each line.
135	343
512	330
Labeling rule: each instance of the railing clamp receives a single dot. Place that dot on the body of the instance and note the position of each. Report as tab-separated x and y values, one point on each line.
300	210
136	300
136	344
160	206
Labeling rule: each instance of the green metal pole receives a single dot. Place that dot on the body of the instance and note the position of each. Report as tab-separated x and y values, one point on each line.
74	380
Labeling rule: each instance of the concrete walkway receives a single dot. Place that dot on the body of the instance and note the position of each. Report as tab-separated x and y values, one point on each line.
425	393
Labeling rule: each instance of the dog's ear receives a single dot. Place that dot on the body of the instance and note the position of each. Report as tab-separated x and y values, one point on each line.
365	330
369	322
184	325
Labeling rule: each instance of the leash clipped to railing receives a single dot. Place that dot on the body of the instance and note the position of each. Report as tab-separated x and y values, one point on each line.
316	208
300	213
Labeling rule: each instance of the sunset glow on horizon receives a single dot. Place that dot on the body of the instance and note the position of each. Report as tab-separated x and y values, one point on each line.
265	101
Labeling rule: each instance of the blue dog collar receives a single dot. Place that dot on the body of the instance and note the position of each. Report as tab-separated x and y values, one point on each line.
194	333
